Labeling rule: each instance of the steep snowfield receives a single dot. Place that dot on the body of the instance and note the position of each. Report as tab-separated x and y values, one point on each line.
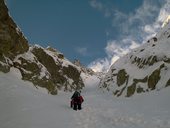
23	106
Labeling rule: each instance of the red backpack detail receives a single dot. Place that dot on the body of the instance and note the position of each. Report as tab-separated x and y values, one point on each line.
81	99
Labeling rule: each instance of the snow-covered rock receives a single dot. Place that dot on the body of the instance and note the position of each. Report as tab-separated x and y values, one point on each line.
12	41
144	69
44	67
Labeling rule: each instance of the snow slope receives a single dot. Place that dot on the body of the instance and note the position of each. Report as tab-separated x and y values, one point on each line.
144	69
23	106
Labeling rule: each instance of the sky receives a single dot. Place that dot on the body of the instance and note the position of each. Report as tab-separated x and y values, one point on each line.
97	32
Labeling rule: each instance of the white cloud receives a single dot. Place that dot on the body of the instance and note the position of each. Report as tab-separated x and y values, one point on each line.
96	4
82	51
114	51
136	27
100	7
114	48
164	12
130	23
100	65
144	13
150	30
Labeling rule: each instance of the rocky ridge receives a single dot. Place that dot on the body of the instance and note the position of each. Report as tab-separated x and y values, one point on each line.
144	69
44	67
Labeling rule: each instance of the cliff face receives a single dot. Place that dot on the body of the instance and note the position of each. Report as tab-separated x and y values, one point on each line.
46	68
144	69
49	69
12	41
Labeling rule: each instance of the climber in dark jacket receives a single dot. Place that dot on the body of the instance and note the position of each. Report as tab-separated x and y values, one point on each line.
75	101
76	94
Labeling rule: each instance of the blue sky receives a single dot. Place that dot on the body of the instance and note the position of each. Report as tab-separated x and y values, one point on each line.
97	32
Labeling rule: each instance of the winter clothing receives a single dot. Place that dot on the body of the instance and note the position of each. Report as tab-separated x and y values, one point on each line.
75	95
81	100
76	101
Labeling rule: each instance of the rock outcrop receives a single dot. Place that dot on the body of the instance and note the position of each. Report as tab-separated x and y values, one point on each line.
144	69
12	41
44	67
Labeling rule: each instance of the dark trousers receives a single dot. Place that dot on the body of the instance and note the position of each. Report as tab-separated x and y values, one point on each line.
75	106
71	103
79	106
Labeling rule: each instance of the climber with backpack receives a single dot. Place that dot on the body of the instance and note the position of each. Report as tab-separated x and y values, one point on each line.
76	100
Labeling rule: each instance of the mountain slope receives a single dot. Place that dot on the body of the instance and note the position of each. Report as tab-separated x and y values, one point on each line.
24	106
48	68
12	41
144	69
44	67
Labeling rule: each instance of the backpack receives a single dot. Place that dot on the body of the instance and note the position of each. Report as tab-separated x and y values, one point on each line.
81	99
75	95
